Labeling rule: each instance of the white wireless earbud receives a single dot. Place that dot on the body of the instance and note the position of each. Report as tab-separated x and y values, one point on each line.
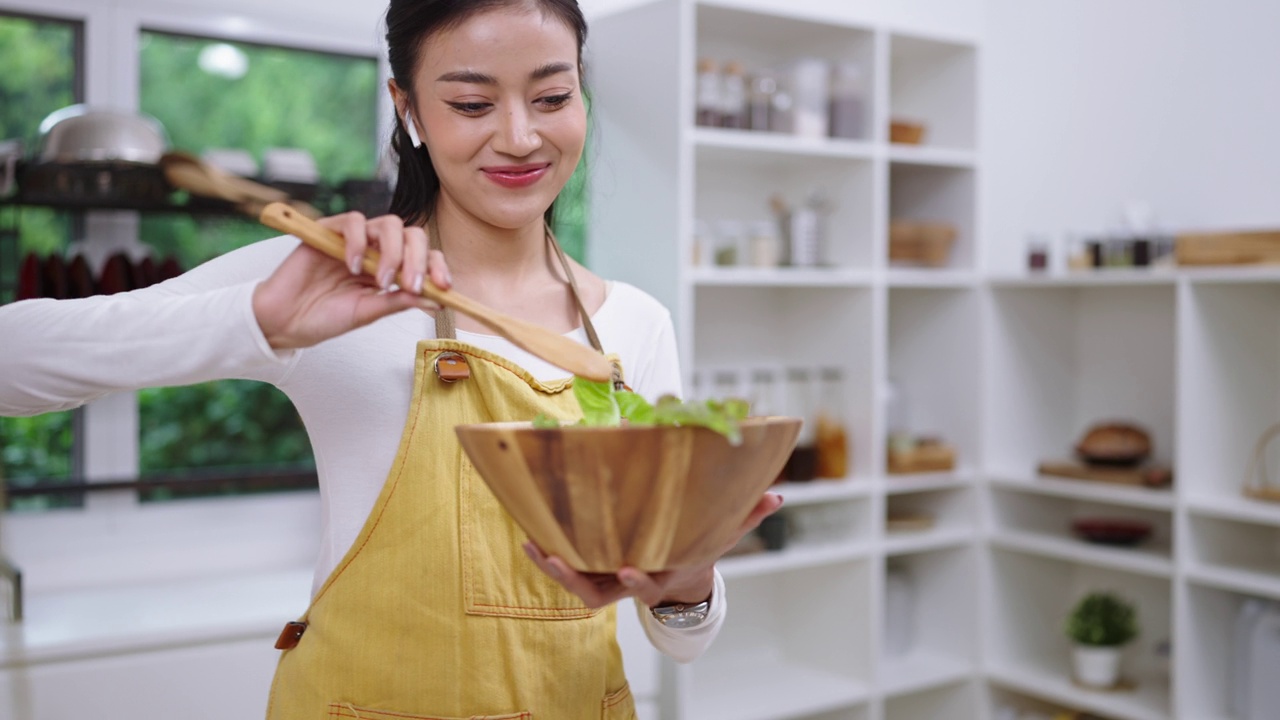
413	131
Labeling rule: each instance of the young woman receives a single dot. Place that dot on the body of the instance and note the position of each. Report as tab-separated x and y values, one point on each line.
429	601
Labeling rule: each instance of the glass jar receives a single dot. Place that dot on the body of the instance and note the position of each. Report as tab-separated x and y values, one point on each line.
848	101
764	245
811	80
703	241
802	465
760	102
709	99
729	243
831	435
733	96
764	393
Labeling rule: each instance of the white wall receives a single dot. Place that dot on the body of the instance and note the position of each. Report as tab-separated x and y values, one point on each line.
1089	103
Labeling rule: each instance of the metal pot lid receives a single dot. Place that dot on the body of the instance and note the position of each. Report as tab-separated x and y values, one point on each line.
78	133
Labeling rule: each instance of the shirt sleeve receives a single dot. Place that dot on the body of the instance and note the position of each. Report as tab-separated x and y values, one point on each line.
60	354
685	645
658	372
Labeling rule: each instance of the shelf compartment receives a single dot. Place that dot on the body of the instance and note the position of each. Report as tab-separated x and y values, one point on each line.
1209	665
934	355
932	156
930	615
902	277
935	82
1236	507
738	186
922	672
1090	491
1030	598
951	512
937	194
953	701
1063	359
1087	278
789	654
1235	555
1043	524
780	328
1230	345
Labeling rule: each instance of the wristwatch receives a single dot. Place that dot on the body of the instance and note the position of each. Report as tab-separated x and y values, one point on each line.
680	616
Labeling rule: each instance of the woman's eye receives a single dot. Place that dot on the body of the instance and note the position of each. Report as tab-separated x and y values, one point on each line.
555	101
470	108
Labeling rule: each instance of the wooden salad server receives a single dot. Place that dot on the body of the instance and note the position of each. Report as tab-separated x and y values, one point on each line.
581	360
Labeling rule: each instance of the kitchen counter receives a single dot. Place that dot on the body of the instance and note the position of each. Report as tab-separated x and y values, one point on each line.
94	622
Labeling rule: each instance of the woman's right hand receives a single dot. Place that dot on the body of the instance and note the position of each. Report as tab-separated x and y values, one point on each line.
311	297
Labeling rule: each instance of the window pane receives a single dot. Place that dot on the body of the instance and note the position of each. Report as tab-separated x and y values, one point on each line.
249	98
39	73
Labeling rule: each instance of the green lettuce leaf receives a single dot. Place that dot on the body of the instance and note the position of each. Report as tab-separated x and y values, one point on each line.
599	406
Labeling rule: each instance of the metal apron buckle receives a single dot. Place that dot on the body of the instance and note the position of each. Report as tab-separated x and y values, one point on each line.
451	367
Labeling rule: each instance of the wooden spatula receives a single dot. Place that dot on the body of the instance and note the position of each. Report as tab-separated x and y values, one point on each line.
558	350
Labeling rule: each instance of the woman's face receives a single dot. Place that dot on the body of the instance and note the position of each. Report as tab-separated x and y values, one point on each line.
498	104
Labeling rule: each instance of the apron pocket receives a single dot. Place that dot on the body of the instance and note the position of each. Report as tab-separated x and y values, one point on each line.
498	579
618	705
347	711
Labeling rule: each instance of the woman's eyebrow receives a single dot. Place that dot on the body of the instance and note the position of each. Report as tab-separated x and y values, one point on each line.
478	78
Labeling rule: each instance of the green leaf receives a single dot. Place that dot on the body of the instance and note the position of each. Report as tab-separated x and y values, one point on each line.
599	406
634	408
545	422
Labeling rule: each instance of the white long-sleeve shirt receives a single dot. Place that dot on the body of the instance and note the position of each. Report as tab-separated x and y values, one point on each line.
352	392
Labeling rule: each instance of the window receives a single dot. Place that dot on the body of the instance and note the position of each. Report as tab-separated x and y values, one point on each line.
215	94
40	71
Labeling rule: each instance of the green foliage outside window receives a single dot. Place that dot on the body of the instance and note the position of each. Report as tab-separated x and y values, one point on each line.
38	75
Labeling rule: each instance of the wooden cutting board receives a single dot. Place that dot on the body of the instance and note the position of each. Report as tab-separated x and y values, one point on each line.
1229	248
1143	475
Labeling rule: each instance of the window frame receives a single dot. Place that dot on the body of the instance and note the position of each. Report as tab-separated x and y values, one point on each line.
114	537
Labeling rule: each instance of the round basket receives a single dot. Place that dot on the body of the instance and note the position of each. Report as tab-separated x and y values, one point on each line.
652	498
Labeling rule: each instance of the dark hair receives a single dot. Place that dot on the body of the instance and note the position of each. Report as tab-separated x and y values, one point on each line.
409	24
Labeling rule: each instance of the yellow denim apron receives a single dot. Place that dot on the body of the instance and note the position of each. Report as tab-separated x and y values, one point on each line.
436	613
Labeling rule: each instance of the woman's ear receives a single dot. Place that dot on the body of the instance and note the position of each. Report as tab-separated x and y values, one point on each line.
400	100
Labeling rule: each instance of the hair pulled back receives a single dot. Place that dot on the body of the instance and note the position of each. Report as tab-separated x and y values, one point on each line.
410	26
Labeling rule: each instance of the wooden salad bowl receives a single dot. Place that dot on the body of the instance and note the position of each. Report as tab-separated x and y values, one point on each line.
652	498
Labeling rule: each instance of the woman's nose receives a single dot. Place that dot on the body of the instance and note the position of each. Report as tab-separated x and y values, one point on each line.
518	134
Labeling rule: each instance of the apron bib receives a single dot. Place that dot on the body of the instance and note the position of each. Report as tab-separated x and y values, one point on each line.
435	612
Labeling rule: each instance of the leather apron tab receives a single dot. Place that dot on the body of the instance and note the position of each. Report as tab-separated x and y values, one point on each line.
290	635
451	367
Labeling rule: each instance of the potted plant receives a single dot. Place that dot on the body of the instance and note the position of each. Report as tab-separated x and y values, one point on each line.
1100	625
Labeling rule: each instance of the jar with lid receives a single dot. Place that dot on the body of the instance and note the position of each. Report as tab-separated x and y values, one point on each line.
724	385
709	99
811	91
831	436
729	243
782	107
703	241
848	101
802	465
733	96
764	244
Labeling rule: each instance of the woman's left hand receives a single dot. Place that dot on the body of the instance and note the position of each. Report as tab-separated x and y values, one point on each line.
686	585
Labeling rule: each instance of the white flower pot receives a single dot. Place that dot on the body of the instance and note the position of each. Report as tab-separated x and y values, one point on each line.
1097	666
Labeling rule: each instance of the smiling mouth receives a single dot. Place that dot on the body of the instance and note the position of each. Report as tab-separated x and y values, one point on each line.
516	175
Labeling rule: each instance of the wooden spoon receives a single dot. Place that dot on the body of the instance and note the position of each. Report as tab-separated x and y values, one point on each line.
558	350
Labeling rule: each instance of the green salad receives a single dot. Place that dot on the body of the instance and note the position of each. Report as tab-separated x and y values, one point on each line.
602	406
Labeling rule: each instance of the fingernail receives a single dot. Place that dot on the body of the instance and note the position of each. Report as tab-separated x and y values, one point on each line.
448	277
528	551
628	579
386	278
417	283
354	266
554	569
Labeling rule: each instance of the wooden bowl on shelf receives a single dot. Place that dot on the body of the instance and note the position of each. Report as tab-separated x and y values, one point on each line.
653	498
1118	444
921	243
906	132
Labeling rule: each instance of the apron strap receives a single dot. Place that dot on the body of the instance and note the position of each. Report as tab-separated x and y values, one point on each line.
446	329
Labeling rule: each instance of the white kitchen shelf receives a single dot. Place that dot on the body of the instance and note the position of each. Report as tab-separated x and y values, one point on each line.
794	557
1261	582
748	688
1149	701
932	156
951	701
1153	562
904	277
907	542
922	671
1085	490
1236	507
713	141
924	482
821	491
1087	278
781	277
